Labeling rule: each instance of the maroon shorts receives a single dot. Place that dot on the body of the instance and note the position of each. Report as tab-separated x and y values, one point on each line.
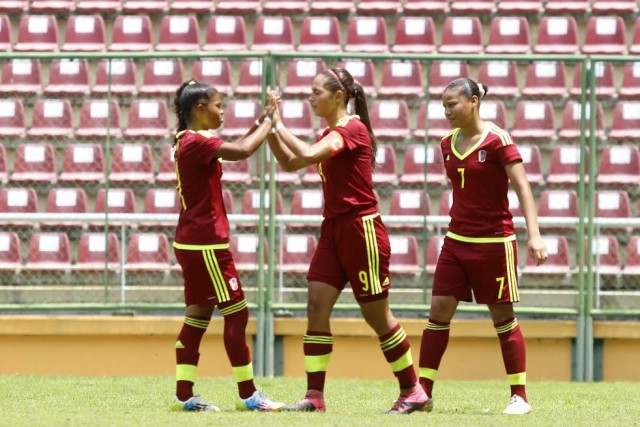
488	271
210	276
354	250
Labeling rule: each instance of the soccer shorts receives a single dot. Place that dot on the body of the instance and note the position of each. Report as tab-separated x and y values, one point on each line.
210	276
354	250
486	271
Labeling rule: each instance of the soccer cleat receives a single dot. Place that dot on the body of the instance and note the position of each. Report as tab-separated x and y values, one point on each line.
312	402
193	404
258	402
414	400
517	406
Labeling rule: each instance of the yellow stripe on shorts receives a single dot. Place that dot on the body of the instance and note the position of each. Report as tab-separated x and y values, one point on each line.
216	275
511	273
373	254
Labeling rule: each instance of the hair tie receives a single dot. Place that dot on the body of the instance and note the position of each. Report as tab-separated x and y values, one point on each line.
192	82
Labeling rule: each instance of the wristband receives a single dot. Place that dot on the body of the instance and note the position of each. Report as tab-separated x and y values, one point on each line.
267	119
272	130
278	126
257	122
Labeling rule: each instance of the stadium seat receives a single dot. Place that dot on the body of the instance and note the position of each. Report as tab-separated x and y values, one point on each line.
148	253
333	7
122	81
250	78
442	73
606	255
576	7
17	201
5	34
390	120
4	176
227	200
401	79
12	119
37	33
425	7
520	7
300	75
501	77
273	33
630	88
632	260
34	164
634	47
558	203
446	201
236	173
509	35
626	121
85	33
119	200
545	79
244	248
167	170
534	120
367	34
605	35
215	72
192	6
461	35
82	164
14	6
225	33
68	77
93	248
473	7
286	7
605	86
532	162
438	125
160	201
311	176
298	117
306	202
49	253
363	71
10	252
162	77
378	7
283	178
558	263
147	119
612	204
22	77
434	247
131	34
495	112
409	202
178	33
405	258
51	6
99	6
146	6
570	130
99	118
131	164
386	172
239	117
65	200
557	34
415	157
296	251
564	168
320	34
251	206
614	7
619	165
241	7
51	119
514	208
415	34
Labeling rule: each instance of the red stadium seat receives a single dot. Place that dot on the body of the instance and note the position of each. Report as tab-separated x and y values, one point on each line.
192	6
386	169
146	6
564	168
99	6
632	261
333	7
390	119
311	176
634	47
68	77
167	169
14	6
239	116
162	77
282	177
405	258
495	112
560	203
363	71
93	248
545	79
251	206
34	164
49	6
225	33
306	202
296	252
446	201
614	7
401	79
12	119
227	200
122	80
409	202
298	118
65	200
415	34
10	252
434	247
21	76
18	200
160	201
178	33
241	7
147	119
415	158
37	33
51	118
300	75
367	34
606	255
426	7
509	35
570	130
532	162
320	34
473	7
378	7
119	200
501	77
605	35
131	164
514	207
577	7
612	204
236	172
49	253
461	35
99	118
5	34
626	121
148	253
619	165
250	78
630	88
131	34
82	164
558	263
85	33
557	34
4	177
443	72
273	33
438	125
605	87
244	248
215	72
534	120
520	7
286	7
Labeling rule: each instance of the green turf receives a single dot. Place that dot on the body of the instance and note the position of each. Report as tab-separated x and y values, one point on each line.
93	402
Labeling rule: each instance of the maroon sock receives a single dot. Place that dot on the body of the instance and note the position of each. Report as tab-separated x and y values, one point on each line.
314	344
187	354
513	355
435	338
236	316
396	348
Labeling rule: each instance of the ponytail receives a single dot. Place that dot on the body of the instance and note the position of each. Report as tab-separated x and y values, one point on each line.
469	88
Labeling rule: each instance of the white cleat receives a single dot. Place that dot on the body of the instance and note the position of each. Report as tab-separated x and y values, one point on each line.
517	406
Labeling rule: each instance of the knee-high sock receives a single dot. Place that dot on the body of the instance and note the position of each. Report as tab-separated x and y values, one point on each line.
188	353
435	338
236	317
397	350
513	354
317	348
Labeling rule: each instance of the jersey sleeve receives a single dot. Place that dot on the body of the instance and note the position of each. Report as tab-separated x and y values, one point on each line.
209	146
348	135
506	150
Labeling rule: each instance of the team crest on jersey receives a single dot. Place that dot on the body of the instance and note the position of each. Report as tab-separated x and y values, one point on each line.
233	282
482	156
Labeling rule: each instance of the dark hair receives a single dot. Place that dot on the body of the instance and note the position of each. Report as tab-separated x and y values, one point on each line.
341	79
469	88
188	95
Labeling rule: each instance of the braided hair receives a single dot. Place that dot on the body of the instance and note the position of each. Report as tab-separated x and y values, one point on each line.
188	95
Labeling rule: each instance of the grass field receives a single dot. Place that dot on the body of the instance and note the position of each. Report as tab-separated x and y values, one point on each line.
84	401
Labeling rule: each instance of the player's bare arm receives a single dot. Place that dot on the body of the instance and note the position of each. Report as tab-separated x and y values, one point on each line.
245	146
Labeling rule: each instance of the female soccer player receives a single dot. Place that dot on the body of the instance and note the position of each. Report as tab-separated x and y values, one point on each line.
479	254
202	245
353	246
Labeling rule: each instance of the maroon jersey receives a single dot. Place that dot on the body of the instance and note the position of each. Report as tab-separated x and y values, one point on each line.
480	210
346	176
203	218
